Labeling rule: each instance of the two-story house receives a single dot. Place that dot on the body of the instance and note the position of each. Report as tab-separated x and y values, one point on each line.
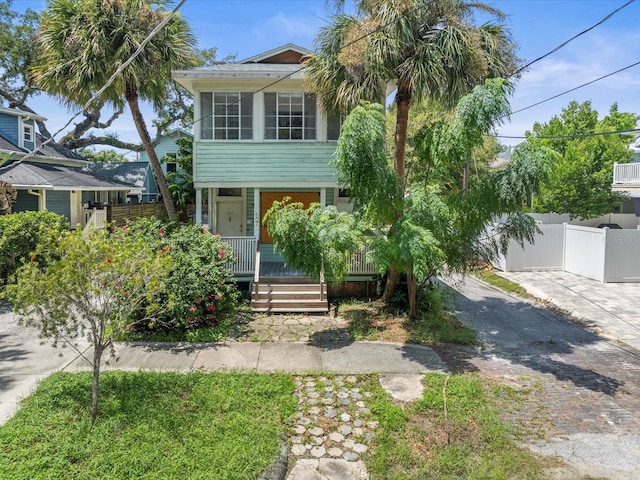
259	137
54	178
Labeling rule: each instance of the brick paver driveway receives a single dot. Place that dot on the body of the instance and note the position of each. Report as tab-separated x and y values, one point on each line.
584	391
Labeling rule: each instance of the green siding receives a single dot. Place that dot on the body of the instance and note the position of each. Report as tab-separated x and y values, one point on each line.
330	200
265	162
59	202
268	255
249	213
25	202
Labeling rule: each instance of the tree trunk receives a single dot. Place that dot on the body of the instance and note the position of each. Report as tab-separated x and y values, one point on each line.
403	103
393	275
132	99
411	293
95	387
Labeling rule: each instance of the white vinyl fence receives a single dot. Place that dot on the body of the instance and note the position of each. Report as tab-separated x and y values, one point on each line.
606	255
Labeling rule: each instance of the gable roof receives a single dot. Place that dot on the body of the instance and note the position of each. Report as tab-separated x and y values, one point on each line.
289	53
27	174
277	64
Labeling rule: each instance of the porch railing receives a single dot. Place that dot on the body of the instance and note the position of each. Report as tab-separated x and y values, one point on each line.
360	265
94	218
625	173
244	249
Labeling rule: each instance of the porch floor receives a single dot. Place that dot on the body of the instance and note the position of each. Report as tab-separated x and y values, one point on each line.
279	269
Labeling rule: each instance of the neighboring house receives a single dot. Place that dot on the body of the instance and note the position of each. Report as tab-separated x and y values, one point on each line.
55	178
137	174
626	176
167	146
259	137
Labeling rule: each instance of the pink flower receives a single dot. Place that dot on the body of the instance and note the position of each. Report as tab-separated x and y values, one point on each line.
221	253
170	248
33	258
162	232
126	294
108	260
218	297
216	235
193	308
125	228
211	308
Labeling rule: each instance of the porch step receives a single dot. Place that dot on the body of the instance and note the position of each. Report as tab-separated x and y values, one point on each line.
289	297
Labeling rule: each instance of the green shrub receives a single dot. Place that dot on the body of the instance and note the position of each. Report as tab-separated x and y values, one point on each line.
21	233
199	283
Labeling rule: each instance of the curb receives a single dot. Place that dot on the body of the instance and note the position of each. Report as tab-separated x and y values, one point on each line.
278	469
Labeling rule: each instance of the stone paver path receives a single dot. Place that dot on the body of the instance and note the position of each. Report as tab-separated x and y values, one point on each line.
333	428
315	329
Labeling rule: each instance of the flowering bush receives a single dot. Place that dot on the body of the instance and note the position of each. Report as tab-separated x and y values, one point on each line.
199	284
20	234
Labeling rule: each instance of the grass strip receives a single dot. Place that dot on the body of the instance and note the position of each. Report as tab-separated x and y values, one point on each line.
152	425
469	442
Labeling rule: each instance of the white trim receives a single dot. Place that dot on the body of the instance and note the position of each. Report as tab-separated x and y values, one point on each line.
276	51
263	184
256	213
198	218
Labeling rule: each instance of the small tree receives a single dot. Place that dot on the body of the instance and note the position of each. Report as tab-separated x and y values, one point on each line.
317	241
95	284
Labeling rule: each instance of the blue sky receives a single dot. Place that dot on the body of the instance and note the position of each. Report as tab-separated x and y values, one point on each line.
247	27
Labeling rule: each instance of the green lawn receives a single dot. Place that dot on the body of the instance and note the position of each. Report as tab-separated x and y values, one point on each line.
152	426
453	433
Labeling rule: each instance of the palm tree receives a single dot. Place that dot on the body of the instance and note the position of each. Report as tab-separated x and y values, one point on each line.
82	44
426	49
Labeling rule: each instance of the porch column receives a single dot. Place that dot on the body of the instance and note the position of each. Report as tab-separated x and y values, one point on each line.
323	197
256	213
198	205
213	209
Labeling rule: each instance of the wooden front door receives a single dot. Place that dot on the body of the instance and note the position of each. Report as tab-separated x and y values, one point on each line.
266	202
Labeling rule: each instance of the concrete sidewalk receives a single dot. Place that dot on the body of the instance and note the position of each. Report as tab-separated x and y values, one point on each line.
611	309
335	357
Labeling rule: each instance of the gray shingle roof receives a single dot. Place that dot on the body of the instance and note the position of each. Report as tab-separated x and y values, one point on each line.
131	173
33	174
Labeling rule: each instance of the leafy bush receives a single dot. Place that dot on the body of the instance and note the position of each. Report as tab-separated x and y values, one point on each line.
21	233
199	282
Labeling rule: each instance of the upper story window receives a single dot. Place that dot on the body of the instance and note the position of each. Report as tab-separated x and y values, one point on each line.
27	133
226	115
290	116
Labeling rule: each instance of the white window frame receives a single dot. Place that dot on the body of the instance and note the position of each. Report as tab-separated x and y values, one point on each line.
209	120
27	133
282	121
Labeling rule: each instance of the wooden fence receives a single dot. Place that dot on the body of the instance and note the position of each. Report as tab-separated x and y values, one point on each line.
118	214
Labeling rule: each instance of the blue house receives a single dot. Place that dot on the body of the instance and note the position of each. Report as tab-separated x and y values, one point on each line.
54	178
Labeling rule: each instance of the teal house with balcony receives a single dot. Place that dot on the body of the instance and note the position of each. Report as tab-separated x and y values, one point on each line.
259	136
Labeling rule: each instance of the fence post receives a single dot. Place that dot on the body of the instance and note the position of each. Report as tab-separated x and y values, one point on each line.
564	245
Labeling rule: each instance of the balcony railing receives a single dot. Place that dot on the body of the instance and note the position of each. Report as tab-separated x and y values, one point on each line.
360	265
626	173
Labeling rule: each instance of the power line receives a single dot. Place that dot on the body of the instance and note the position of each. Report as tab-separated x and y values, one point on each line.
573	38
113	77
576	88
574	135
